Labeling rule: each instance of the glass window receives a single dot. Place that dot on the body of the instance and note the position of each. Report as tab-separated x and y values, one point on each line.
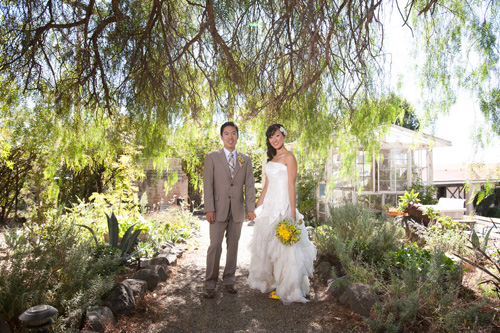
322	190
420	171
365	171
393	174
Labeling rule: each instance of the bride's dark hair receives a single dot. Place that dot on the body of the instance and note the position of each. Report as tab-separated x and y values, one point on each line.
271	152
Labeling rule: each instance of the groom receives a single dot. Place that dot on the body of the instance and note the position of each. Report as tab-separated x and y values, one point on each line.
225	174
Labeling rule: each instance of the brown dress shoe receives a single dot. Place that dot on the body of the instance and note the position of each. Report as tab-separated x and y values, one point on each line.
209	293
231	289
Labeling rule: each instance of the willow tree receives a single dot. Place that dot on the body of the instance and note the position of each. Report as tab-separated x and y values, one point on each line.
164	60
151	65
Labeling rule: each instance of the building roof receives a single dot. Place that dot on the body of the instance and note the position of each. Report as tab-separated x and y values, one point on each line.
461	173
403	138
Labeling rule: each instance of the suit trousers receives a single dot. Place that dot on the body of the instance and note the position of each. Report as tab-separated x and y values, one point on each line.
232	231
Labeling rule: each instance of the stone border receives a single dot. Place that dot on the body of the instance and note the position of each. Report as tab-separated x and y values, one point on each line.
122	299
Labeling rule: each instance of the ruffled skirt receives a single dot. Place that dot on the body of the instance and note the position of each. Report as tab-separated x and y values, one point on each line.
273	265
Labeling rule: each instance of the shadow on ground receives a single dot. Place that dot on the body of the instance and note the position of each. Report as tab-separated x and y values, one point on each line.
177	306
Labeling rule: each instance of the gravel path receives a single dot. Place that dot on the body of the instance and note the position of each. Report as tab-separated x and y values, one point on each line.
177	305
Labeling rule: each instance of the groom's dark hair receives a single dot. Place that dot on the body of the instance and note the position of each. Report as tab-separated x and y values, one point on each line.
226	124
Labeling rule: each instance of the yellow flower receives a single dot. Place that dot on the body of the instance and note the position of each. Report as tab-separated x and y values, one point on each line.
240	160
287	232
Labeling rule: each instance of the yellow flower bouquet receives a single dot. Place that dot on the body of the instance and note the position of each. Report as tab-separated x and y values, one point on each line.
287	232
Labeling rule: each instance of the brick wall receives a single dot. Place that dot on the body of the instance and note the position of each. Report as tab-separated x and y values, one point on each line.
154	185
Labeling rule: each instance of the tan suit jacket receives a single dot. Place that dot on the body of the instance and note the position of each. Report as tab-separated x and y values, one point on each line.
221	193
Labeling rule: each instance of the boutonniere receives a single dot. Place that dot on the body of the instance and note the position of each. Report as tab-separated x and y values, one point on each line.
240	160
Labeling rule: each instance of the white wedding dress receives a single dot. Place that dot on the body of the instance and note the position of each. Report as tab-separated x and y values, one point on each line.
274	265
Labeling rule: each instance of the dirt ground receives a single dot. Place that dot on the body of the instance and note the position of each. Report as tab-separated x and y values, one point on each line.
177	305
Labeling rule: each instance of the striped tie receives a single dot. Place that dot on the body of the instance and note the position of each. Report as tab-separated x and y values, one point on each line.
231	164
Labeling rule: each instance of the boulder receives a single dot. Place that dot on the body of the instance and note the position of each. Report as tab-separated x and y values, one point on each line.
149	276
417	211
99	318
337	287
137	286
161	259
176	251
172	259
162	272
414	231
121	301
360	297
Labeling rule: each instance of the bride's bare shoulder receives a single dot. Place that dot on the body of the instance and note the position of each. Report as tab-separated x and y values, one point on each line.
290	158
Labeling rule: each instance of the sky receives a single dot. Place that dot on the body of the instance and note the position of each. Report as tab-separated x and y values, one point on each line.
458	126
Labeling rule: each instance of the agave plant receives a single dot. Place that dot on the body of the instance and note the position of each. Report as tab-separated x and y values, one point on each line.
127	242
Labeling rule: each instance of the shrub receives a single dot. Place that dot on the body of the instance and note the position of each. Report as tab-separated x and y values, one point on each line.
306	195
351	232
53	265
451	240
423	287
467	317
413	258
173	225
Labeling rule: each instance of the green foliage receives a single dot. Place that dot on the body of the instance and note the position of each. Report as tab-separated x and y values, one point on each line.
306	194
427	193
485	262
408	118
480	244
52	264
459	43
351	232
425	284
127	241
407	199
143	202
432	214
468	316
173	225
411	257
15	165
447	240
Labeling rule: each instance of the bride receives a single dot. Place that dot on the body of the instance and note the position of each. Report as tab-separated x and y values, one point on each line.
282	269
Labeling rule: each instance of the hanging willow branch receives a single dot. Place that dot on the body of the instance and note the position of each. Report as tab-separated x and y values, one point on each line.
171	56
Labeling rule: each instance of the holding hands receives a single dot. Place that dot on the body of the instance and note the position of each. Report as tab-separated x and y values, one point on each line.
250	216
211	216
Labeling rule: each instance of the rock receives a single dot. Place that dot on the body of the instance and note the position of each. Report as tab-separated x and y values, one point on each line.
137	286
144	262
161	259
172	259
167	244
149	276
99	318
176	251
166	251
162	272
360	298
324	270
121	301
337	287
416	211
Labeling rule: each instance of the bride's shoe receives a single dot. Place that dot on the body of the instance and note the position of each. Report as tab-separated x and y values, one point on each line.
273	295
